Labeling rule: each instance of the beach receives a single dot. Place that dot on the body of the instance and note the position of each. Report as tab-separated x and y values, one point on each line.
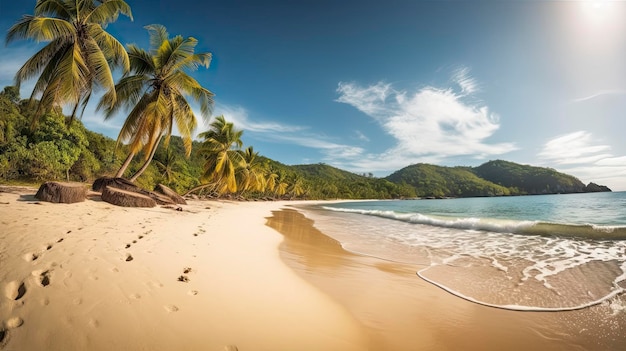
223	275
94	276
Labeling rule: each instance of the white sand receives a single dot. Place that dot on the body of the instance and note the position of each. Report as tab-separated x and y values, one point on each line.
67	280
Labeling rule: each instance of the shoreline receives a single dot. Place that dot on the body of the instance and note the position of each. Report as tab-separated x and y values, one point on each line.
401	311
94	276
224	274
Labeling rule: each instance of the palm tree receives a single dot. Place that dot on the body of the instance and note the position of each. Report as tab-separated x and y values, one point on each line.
220	148
251	177
281	184
155	91
167	164
297	188
79	56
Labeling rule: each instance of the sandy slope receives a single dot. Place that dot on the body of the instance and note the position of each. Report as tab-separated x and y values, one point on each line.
93	276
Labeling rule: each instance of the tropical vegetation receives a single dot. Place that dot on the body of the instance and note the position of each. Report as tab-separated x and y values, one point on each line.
80	54
155	90
39	142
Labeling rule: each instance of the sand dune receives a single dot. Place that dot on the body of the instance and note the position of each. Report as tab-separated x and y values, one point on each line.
93	276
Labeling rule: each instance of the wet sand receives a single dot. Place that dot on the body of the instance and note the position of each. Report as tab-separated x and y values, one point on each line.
400	311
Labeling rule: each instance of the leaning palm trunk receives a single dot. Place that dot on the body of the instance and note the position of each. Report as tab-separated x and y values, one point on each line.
145	164
201	187
122	169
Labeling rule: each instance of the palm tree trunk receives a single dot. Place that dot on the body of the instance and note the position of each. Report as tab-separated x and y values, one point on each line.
125	165
199	187
145	165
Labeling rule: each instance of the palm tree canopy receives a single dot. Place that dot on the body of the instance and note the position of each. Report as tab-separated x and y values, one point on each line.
79	56
223	158
155	90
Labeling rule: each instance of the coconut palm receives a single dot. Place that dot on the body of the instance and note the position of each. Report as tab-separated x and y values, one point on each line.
79	56
220	148
251	175
155	91
166	165
282	184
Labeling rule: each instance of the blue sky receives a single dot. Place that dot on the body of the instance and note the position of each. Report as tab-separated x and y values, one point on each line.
374	86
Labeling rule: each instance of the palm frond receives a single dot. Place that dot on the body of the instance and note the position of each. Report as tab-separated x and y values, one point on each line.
56	8
48	28
113	50
97	63
36	64
108	12
158	34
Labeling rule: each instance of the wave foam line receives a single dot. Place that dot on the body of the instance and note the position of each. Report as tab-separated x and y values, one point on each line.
588	231
618	290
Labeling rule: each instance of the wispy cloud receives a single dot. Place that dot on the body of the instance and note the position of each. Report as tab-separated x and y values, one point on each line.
467	84
239	116
431	124
361	136
11	60
601	93
578	153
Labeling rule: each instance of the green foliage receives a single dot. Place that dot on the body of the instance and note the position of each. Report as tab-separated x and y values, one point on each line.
528	179
56	151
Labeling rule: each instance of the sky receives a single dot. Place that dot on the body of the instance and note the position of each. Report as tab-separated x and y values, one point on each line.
375	86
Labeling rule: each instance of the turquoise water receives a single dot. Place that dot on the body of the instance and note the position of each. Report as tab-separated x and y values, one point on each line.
539	253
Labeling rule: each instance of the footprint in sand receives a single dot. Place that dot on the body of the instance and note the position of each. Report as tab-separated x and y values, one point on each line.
43	276
29	257
127	246
60	240
14	322
171	308
192	292
15	290
129	257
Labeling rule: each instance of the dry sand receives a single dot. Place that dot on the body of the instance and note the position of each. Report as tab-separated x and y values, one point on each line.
93	276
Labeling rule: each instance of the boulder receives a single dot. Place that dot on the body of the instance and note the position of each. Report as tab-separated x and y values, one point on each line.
66	193
126	198
174	196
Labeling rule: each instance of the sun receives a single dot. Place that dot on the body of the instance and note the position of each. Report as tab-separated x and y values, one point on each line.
596	9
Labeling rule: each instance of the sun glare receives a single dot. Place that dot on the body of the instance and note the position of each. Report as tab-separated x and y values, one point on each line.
596	10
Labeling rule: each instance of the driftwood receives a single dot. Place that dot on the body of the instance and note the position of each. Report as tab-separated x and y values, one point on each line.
126	198
120	183
160	188
66	193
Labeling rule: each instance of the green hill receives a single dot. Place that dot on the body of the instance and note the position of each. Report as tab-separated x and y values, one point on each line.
528	179
436	181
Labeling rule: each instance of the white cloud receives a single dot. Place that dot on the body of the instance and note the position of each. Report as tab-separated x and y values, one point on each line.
370	100
601	93
579	154
430	125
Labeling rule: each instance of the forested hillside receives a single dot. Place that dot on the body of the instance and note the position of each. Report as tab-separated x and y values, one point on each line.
436	181
56	150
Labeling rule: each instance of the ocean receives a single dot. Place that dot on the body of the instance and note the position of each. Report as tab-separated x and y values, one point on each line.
523	253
